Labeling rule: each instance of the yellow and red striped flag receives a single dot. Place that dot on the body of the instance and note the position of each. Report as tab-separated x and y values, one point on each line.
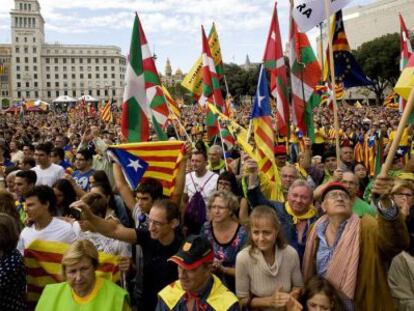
163	159
172	104
106	113
43	266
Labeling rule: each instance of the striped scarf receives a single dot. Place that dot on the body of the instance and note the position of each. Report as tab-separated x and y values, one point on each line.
342	274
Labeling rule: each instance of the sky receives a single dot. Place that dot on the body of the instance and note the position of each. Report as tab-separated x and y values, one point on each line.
172	27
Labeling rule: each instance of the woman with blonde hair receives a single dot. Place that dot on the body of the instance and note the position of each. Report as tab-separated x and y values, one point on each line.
267	270
82	290
226	235
403	195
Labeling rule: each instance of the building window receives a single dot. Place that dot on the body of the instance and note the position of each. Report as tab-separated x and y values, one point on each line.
74	93
57	84
57	93
17	60
17	49
113	92
34	38
112	60
64	68
35	76
64	60
19	94
89	76
105	76
104	60
73	76
72	60
65	92
47	68
96	68
48	84
36	94
34	50
89	68
56	76
18	76
97	76
35	84
25	39
47	60
49	94
89	60
35	60
113	68
81	68
26	50
65	76
73	68
98	93
27	94
16	24
48	76
26	68
80	60
56	68
113	76
19	84
27	84
56	60
97	60
81	76
105	68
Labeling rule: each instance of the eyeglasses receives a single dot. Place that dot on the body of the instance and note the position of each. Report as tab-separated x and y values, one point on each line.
407	195
337	195
156	223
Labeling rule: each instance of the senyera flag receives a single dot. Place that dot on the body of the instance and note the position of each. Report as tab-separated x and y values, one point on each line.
43	266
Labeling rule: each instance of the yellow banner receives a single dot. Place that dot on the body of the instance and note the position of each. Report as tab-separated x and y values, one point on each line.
194	79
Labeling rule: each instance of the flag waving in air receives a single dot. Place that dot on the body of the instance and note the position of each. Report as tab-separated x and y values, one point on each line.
273	60
305	74
106	112
193	81
347	70
406	51
309	13
211	88
143	100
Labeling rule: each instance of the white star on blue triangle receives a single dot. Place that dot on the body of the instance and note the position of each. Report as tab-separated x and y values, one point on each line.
132	166
261	105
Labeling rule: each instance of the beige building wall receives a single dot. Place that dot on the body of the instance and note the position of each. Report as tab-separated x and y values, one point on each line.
46	71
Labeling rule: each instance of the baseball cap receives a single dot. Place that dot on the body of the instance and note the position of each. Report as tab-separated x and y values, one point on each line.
334	185
195	251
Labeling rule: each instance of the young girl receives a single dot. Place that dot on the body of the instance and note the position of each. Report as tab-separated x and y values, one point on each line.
267	270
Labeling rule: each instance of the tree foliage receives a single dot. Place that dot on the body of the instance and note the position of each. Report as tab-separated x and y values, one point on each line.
379	58
240	81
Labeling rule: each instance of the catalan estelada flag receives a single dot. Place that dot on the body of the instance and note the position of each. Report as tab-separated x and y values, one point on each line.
43	266
162	157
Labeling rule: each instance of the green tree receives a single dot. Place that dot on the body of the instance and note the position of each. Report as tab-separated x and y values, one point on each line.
379	58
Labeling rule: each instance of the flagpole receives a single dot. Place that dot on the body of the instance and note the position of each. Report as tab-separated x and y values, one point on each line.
332	69
401	126
321	46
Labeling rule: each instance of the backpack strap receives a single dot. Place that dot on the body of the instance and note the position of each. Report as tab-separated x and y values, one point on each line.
205	183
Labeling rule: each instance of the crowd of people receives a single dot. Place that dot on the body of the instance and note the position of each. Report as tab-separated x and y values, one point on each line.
341	238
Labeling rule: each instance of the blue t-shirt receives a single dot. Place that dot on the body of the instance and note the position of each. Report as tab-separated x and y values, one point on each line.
82	179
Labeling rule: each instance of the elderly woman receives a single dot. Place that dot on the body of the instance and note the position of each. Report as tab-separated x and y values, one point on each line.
352	252
403	195
225	234
83	290
12	270
267	270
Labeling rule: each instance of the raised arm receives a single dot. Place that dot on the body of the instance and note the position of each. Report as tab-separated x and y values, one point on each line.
123	188
108	228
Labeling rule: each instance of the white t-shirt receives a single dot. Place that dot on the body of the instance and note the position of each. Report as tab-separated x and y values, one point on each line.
50	175
103	243
58	230
201	182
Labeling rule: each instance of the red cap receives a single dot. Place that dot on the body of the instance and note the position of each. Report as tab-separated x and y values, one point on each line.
280	150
